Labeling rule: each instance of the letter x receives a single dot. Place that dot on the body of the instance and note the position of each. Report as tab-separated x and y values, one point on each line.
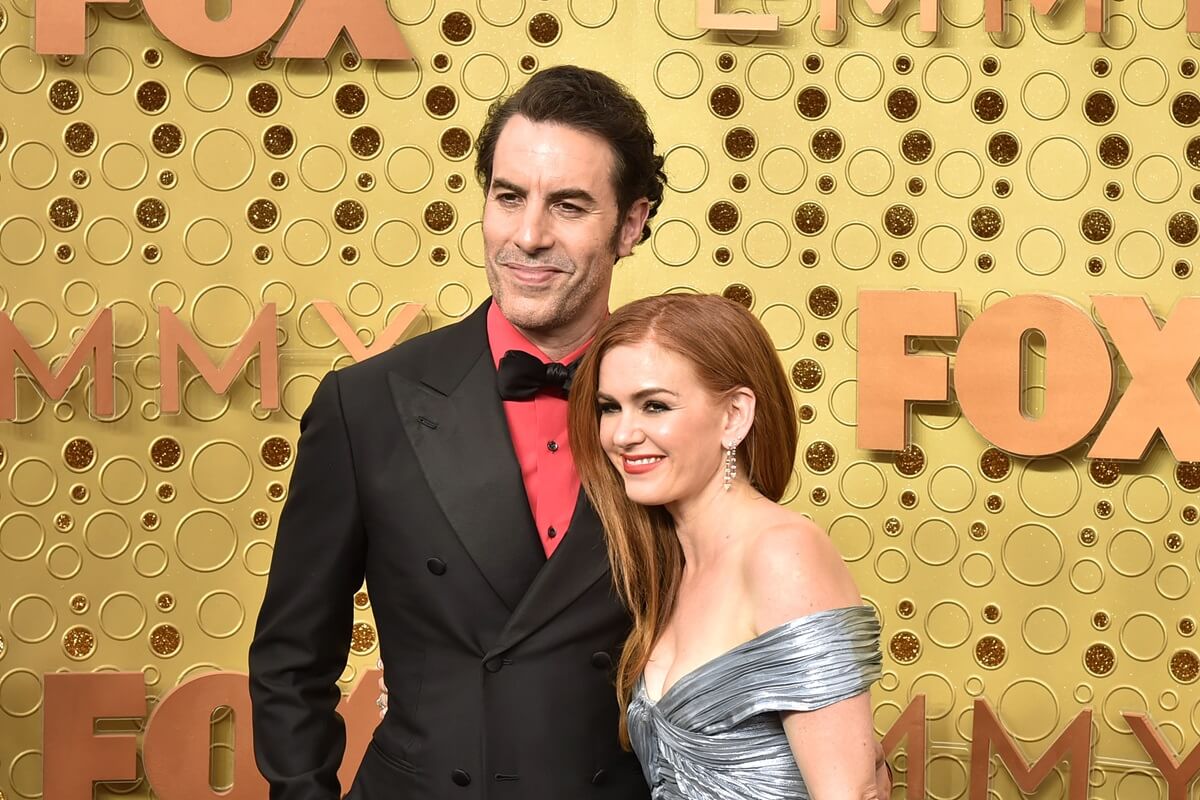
1160	396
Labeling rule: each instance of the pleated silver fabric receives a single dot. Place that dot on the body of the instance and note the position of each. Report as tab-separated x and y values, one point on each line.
717	734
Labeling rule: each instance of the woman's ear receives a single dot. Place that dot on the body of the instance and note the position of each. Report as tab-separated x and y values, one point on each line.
739	415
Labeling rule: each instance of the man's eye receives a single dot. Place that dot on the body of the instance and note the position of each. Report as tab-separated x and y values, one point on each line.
570	208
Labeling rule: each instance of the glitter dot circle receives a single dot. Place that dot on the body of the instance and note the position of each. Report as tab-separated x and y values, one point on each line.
165	640
725	101
904	647
544	29
439	216
1099	659
1185	666
991	652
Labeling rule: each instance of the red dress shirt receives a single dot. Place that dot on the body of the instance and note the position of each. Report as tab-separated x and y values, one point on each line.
538	427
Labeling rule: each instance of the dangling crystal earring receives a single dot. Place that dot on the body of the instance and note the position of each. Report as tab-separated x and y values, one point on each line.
730	465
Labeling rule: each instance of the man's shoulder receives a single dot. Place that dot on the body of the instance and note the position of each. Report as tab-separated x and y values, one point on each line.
419	355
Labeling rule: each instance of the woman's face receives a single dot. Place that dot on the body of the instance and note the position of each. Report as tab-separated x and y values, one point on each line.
659	426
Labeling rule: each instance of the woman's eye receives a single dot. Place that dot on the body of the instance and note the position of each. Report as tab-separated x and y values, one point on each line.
655	407
607	408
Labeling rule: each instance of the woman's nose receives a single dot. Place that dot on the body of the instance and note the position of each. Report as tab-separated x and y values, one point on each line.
627	432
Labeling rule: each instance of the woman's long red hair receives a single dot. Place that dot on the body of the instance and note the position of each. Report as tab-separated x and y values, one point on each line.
729	348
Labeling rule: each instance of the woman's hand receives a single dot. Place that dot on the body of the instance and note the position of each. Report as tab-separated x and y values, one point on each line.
382	700
883	772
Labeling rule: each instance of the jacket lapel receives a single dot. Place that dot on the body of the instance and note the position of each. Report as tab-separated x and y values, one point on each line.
578	562
455	420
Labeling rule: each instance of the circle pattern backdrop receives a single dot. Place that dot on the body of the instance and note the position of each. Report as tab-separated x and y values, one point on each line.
801	166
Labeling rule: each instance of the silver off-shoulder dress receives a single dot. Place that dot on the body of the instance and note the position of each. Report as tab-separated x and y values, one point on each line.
717	734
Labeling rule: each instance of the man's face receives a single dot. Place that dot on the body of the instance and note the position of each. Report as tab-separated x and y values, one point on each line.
551	231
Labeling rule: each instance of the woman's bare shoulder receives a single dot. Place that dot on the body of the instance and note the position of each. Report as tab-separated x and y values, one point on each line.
793	569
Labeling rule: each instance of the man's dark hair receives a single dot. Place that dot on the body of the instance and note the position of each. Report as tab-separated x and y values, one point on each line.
594	103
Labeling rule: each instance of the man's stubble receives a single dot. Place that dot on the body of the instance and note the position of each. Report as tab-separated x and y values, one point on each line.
563	305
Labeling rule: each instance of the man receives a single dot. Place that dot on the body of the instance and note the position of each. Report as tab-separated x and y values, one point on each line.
486	565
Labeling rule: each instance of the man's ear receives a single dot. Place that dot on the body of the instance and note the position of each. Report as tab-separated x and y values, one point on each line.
632	225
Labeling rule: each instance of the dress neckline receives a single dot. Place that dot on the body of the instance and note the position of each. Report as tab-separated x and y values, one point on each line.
737	648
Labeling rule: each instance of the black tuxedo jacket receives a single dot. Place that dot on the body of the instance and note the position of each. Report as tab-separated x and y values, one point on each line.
499	662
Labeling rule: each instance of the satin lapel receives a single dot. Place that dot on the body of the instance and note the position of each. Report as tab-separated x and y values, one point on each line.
579	562
462	442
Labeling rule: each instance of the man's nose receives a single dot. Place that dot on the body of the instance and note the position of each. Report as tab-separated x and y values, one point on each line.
535	233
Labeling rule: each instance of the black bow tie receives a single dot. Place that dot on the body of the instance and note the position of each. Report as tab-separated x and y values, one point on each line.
521	375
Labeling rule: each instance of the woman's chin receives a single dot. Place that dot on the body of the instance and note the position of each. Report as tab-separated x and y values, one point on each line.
644	495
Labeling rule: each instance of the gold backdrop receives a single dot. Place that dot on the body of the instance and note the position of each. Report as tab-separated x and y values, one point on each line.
803	166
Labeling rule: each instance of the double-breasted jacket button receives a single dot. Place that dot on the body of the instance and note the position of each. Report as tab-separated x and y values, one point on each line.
461	777
601	660
598	778
436	566
493	664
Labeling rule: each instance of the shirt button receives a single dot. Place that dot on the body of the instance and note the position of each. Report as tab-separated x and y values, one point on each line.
601	660
551	533
552	446
436	566
598	778
461	777
493	665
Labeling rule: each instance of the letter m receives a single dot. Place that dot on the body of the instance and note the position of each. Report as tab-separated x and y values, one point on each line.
1073	745
174	337
97	341
929	13
994	13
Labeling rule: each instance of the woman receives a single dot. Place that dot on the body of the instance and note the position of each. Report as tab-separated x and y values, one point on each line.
747	669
